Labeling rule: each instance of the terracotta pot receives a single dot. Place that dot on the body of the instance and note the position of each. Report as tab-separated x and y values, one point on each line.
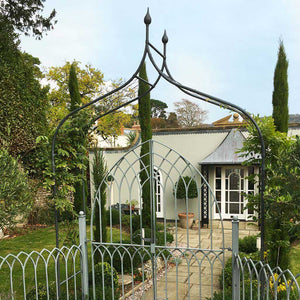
183	220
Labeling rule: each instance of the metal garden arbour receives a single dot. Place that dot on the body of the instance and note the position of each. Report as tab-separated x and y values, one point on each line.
171	262
164	72
197	254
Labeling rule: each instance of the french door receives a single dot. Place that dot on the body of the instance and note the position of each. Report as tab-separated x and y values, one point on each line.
231	185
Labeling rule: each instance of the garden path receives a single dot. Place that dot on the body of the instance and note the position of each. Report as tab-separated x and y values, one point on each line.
188	280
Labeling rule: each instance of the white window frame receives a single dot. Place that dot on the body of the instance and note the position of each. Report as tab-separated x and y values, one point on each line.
220	192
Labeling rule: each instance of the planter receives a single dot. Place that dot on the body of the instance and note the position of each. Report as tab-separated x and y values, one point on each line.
183	220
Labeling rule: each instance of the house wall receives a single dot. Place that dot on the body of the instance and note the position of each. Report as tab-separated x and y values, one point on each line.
193	146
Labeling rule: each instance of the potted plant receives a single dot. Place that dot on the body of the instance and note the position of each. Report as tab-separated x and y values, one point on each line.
186	189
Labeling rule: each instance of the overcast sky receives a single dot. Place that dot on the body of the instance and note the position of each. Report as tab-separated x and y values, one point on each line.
224	48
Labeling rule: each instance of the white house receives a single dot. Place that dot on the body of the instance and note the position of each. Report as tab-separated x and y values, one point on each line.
207	154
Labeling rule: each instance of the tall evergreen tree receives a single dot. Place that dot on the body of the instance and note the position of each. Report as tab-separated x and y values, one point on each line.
78	136
146	134
73	89
281	92
99	171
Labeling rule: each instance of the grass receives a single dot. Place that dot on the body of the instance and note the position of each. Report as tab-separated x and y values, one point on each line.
295	258
36	240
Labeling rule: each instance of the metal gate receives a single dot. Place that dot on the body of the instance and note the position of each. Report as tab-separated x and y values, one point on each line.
158	259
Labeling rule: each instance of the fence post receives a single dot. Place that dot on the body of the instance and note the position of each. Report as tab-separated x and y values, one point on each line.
235	266
84	256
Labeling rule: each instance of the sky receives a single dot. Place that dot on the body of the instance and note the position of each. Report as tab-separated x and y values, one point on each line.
227	48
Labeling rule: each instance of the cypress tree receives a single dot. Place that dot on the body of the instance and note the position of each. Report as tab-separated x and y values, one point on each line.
99	171
73	89
146	134
78	137
281	92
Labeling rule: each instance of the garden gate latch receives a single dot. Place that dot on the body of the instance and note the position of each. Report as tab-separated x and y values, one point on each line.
224	248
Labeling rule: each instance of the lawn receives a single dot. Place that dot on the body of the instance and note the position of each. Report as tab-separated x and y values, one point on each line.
295	258
36	240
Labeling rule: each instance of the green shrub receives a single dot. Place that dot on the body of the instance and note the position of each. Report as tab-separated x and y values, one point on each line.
248	244
104	273
183	184
127	256
41	214
160	226
135	222
115	217
15	191
42	292
160	237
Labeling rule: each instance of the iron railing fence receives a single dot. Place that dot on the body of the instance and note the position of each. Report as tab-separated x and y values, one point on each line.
195	270
37	275
254	279
259	281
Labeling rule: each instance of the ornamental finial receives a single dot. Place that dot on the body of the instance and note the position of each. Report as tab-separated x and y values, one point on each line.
165	38
147	19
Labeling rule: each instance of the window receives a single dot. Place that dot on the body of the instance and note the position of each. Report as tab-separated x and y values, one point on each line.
231	183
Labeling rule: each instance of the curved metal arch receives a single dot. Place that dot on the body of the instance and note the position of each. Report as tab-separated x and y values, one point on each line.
125	175
187	90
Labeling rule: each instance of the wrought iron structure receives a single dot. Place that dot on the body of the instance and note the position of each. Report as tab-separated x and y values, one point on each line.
164	246
164	72
35	275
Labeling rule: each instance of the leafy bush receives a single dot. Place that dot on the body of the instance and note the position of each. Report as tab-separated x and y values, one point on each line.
135	222
160	237
248	244
104	273
41	214
186	188
42	292
15	191
115	217
126	256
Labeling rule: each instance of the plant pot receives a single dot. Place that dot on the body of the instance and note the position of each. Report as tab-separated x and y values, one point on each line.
183	220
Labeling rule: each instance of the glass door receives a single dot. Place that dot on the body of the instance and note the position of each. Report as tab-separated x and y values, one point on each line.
231	183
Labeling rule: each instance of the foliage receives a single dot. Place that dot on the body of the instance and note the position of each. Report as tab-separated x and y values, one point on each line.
23	101
248	244
146	135
189	114
115	217
110	126
281	92
15	191
42	292
172	120
79	140
160	237
131	137
157	123
90	85
186	188
125	259
135	223
158	109
105	273
41	214
99	173
73	89
26	16
282	186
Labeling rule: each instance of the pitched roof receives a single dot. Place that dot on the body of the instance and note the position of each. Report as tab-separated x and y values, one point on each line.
226	154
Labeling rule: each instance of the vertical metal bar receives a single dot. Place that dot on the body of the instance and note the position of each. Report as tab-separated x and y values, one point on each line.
84	257
153	218
235	252
83	189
